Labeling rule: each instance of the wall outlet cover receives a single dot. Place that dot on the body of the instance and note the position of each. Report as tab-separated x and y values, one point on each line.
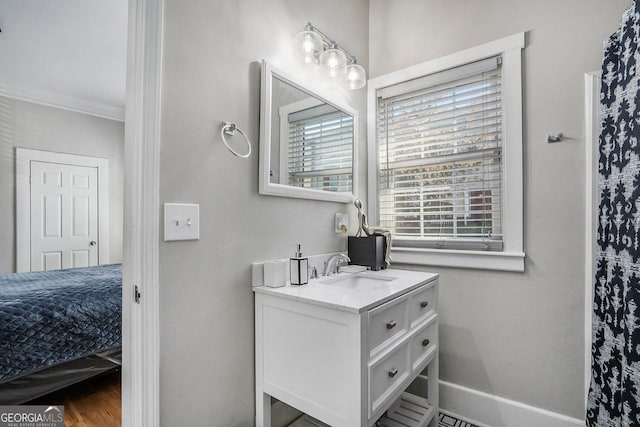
341	223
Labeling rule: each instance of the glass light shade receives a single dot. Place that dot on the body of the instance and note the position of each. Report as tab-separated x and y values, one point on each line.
356	76
308	45
334	61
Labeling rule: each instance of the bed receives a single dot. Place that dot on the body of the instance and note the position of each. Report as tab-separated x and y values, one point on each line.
58	328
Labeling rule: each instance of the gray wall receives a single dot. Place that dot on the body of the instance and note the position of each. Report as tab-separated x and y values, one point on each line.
206	304
28	125
520	336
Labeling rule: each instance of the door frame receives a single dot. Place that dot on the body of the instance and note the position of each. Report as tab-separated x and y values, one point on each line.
140	324
592	106
24	157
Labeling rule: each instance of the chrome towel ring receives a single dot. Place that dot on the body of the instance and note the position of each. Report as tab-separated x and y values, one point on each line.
229	129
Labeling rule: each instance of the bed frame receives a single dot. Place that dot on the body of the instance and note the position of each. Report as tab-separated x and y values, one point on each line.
24	388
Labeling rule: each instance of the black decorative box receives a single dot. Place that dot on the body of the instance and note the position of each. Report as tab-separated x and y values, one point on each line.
367	251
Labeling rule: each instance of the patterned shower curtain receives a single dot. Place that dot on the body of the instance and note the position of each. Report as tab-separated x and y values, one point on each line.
614	395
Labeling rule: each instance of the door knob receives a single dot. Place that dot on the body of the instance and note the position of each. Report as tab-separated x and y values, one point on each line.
92	243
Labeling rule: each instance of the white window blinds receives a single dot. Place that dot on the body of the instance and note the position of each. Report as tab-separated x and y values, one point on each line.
320	149
440	158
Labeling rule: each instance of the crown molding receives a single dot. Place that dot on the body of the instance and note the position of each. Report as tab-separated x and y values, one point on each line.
65	102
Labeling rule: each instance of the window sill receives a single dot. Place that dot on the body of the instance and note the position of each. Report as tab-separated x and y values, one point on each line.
482	260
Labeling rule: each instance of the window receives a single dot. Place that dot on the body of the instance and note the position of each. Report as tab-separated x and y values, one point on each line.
439	158
318	146
443	134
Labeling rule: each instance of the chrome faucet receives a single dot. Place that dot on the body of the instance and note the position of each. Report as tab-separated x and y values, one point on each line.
335	261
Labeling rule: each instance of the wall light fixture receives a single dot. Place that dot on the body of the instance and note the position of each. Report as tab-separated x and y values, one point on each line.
315	46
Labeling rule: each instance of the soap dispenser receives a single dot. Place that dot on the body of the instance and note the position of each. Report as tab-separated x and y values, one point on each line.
299	268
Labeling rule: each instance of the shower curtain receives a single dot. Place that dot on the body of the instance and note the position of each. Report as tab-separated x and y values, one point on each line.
614	395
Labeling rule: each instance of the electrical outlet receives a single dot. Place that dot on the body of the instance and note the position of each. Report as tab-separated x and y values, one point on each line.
341	223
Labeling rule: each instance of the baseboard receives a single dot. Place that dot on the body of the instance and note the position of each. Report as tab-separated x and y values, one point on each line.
487	410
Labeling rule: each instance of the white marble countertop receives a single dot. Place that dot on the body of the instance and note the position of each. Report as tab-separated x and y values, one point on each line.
396	283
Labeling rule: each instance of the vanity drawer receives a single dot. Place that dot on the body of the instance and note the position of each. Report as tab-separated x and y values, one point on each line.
422	303
387	375
424	343
387	322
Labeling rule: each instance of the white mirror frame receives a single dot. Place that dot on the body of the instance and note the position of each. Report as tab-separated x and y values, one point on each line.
266	187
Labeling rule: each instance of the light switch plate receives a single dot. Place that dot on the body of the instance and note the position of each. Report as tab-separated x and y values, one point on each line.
181	221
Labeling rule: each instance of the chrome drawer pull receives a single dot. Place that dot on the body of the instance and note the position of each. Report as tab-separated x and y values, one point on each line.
423	304
391	325
392	373
425	342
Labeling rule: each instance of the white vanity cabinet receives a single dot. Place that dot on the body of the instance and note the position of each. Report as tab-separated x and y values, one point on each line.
344	356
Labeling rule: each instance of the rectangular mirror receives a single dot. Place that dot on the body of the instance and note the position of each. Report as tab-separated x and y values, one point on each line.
307	142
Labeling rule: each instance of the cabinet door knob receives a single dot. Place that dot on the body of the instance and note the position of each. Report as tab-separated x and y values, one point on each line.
423	304
391	325
425	342
92	243
393	372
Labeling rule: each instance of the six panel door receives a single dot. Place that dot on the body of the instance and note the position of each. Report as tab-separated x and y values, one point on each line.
64	216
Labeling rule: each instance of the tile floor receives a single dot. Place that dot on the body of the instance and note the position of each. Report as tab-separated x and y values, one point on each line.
449	421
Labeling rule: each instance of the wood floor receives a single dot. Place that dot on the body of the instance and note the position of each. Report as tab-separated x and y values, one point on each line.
93	403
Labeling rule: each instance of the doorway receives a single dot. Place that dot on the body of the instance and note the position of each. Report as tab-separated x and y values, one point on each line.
55	98
140	372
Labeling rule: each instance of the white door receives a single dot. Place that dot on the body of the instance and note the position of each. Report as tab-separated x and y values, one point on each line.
64	216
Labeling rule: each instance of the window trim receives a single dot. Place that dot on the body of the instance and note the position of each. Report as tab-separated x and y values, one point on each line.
512	256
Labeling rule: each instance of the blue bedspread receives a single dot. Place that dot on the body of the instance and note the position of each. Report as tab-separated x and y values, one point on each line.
52	317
